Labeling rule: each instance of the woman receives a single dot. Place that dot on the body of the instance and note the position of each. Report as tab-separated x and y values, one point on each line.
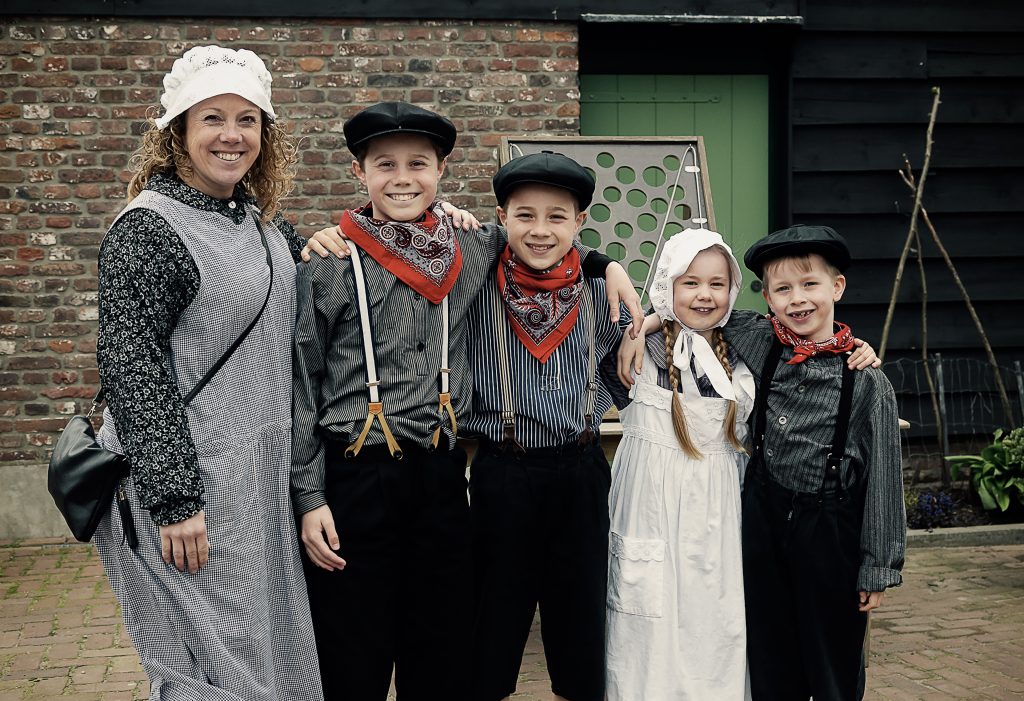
213	596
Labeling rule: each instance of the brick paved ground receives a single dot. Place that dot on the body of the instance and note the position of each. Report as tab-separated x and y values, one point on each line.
955	630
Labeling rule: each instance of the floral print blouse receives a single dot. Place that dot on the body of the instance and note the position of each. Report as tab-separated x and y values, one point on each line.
147	278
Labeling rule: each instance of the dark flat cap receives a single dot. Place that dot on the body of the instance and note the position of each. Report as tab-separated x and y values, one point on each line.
398	118
798	240
545	168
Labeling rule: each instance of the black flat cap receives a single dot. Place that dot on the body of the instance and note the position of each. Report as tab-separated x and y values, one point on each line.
398	118
798	240
545	168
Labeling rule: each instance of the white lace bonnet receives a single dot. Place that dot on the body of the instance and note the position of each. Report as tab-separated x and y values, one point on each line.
678	253
676	256
205	71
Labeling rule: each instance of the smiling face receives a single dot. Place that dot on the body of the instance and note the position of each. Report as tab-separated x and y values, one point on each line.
542	222
401	173
803	293
700	296
222	137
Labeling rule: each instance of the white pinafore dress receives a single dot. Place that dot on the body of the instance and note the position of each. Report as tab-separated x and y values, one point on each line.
240	628
676	627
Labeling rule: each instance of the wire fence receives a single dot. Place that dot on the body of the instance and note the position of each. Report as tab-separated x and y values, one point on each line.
959	415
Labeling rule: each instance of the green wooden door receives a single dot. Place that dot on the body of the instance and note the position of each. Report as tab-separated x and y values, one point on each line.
729	111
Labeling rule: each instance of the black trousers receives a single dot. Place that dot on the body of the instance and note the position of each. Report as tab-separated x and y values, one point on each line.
541	532
404	602
801	555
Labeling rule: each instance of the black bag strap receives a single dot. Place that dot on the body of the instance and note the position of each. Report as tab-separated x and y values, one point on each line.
238	341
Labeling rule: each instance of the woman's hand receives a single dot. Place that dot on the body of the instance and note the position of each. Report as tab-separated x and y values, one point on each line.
184	544
461	219
320	539
863	357
619	288
326	242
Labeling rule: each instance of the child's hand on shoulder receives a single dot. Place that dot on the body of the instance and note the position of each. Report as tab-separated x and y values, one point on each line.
619	289
863	357
325	242
461	219
630	357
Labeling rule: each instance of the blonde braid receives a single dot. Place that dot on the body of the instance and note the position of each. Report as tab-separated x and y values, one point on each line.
678	419
722	351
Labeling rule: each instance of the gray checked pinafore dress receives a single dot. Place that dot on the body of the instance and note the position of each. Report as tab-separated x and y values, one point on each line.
240	628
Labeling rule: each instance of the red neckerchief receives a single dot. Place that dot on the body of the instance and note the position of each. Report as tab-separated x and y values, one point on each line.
840	342
542	307
424	254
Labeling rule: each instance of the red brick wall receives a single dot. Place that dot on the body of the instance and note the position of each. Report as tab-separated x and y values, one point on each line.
73	95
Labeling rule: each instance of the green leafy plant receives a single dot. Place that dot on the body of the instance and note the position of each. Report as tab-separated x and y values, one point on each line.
997	474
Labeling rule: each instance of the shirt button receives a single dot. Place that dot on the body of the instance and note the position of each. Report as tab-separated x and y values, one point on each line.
231	205
770	452
801	388
416	296
782	420
420	346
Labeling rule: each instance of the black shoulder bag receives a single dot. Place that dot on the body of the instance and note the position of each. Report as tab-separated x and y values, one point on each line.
84	476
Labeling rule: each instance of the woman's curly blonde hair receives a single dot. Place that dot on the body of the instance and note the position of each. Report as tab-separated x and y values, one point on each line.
269	180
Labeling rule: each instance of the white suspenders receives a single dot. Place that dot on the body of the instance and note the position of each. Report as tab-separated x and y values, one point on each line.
375	407
508	414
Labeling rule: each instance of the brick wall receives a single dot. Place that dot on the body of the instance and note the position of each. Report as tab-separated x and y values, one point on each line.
73	97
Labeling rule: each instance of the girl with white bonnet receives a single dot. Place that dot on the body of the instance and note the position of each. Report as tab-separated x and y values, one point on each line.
206	564
676	626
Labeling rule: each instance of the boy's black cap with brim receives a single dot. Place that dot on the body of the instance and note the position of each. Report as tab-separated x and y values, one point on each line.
798	240
398	118
545	168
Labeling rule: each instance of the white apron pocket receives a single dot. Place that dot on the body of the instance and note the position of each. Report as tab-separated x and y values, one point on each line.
636	581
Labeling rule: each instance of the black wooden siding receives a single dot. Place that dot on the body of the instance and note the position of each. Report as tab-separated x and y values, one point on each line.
862	75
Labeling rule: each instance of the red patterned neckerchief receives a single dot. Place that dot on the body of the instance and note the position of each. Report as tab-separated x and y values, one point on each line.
424	254
840	342
542	307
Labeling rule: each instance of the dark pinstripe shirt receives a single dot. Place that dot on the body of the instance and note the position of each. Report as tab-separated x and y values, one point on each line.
800	423
329	392
548	397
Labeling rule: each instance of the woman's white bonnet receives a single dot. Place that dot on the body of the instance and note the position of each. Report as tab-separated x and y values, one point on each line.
206	71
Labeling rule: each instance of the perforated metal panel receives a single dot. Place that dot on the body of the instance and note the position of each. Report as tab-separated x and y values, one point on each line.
647	190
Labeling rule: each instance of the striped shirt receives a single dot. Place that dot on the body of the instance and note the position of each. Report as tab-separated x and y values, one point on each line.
329	394
800	424
548	398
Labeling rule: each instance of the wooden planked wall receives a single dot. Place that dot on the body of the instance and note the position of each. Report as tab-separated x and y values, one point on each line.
862	74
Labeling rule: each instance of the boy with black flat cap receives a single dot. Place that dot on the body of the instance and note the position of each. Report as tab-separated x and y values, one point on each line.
380	385
539	481
824	530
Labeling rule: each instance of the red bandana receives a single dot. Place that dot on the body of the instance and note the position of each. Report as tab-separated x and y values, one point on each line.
424	254
542	307
840	342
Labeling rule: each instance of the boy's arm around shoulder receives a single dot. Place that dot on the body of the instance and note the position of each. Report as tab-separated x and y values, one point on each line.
323	294
491	238
884	526
750	334
607	330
